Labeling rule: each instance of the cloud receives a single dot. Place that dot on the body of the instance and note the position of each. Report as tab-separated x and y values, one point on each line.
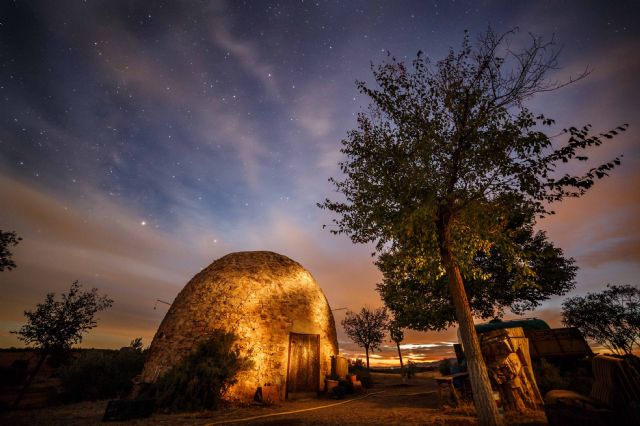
152	81
624	250
103	243
97	242
246	53
604	224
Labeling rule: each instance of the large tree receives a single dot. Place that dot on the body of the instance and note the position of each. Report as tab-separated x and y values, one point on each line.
366	328
7	239
422	303
444	154
55	325
610	317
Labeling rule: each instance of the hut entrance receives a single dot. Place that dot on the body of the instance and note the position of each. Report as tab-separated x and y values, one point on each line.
303	375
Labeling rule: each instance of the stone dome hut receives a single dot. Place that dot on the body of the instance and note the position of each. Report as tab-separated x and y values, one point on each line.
276	308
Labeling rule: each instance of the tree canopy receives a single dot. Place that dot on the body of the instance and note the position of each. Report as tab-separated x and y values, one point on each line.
7	239
366	329
454	141
423	304
610	317
55	325
396	333
444	155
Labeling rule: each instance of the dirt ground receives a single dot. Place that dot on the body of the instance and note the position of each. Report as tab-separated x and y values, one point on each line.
389	402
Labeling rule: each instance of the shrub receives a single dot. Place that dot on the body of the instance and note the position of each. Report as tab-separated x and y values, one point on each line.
363	374
574	375
200	380
357	363
445	367
100	374
411	369
15	374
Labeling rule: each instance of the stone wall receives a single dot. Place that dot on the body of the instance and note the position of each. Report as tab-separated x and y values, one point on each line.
262	297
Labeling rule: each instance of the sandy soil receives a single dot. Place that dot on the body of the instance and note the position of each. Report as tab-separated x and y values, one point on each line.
389	402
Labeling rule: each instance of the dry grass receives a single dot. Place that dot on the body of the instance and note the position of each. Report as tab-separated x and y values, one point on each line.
389	402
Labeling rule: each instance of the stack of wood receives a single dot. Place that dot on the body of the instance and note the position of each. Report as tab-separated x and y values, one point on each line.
506	353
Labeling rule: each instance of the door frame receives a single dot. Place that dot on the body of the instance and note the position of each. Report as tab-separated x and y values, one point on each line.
317	378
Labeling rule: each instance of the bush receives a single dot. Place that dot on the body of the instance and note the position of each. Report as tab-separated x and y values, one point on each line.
200	380
445	367
548	377
15	374
100	374
574	375
362	374
411	369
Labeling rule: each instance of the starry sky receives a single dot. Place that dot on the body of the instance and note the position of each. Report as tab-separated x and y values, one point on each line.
139	141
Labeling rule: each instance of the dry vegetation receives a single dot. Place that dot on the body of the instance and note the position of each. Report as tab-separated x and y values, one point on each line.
388	402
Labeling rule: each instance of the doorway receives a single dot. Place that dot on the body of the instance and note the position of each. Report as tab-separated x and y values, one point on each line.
303	373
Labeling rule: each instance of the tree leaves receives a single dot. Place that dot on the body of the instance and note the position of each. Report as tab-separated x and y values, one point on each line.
367	328
56	325
610	317
516	275
7	239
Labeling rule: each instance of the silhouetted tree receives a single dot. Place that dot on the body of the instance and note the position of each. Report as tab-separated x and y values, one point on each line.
443	156
610	317
55	325
366	329
397	336
7	239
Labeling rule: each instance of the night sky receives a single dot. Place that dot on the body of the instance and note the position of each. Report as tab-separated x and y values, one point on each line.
141	140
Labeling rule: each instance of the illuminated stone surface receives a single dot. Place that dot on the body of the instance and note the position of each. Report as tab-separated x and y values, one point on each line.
261	296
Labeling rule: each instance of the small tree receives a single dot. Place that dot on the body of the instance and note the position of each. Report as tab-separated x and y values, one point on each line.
7	239
366	329
397	335
55	325
611	317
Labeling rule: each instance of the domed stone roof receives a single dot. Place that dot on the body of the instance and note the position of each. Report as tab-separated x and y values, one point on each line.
270	301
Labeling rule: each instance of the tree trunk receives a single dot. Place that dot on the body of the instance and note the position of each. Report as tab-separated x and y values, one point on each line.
486	407
367	350
43	356
401	365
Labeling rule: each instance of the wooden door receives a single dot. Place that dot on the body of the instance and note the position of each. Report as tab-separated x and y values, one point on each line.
303	374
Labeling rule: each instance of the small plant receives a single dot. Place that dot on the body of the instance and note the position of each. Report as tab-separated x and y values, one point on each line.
363	375
200	380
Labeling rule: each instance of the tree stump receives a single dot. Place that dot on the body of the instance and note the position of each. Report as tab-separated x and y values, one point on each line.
506	353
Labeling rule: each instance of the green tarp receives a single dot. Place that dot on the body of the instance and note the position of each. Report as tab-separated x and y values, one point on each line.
526	324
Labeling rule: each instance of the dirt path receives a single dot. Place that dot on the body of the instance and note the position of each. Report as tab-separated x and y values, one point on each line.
389	402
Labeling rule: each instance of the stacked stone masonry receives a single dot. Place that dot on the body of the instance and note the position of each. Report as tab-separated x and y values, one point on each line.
262	297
